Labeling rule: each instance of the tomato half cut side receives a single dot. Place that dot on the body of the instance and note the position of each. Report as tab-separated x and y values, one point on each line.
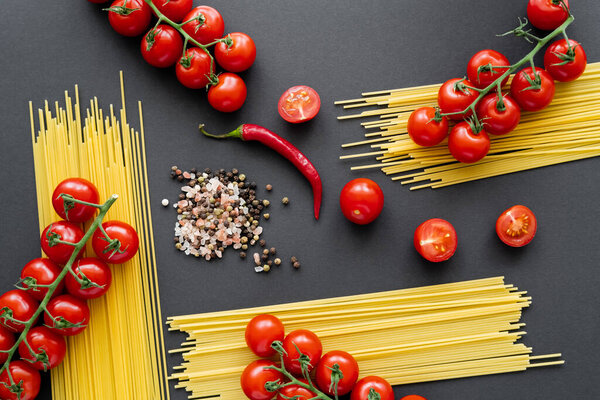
436	240
299	104
516	226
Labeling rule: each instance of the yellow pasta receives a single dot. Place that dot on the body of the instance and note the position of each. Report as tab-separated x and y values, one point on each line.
120	355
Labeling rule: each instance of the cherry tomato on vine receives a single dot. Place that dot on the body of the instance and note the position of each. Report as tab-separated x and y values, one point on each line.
299	104
206	26
532	92
162	46
96	272
379	385
21	305
229	94
498	118
435	240
308	343
123	249
454	96
361	201
43	338
7	341
547	14
325	370
28	377
516	226
131	19
413	397
68	308
254	378
79	189
239	55
564	61
65	231
261	331
175	10
44	272
467	146
424	130
483	68
194	69
295	390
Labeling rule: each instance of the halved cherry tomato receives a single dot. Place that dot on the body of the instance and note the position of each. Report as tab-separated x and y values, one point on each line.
41	271
96	272
361	201
129	17
300	392
424	130
237	57
498	118
65	231
327	368
67	308
299	104
206	24
564	61
124	247
7	341
308	343
42	338
454	96
162	46
194	69
516	226
483	68
547	14
467	146
536	98
79	189
435	240
229	94
175	10
21	305
255	376
23	375
363	388
261	332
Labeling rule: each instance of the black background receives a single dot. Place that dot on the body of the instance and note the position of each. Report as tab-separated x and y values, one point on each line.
340	48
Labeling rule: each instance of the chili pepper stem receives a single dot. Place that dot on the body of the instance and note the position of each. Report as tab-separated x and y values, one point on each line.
237	133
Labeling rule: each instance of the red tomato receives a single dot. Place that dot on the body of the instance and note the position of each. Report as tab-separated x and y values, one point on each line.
131	20
546	14
194	69
532	99
175	10
516	226
23	374
465	145
239	55
229	94
96	272
498	119
22	306
326	370
43	338
254	378
67	308
65	231
207	25
162	46
299	104
43	272
308	343
482	68
361	201
79	189
435	240
454	96
7	341
573	60
424	130
261	331
413	397
300	392
124	247
372	383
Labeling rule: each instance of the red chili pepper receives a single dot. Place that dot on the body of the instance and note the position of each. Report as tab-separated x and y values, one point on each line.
250	132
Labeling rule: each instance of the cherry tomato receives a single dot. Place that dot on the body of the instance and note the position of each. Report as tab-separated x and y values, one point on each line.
547	14
254	378
43	338
123	249
466	146
300	392
96	272
532	99
44	272
65	231
207	25
239	55
7	341
424	130
261	331
22	306
162	46
361	201
435	240
80	189
175	10
24	375
454	96
378	385
299	104
194	69
516	226
131	19
573	59
498	119
413	397
347	365
482	68
68	308
308	343
229	94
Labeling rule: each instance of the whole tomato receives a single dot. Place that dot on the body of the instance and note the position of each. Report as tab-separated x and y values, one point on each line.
65	231
466	145
547	14
300	392
162	46
206	24
532	91
564	61
41	271
194	69
455	96
79	189
237	54
175	10
498	118
486	66
22	307
332	363
70	309
255	376
229	94
129	17
261	332
96	282
23	373
123	246
308	343
7	341
424	130
361	201
378	385
42	338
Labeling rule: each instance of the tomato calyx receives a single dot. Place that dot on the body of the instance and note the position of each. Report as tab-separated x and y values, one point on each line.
151	37
186	61
373	395
41	357
61	323
437	116
121	10
16	388
535	83
475	124
336	376
489	67
459	86
567	57
200	18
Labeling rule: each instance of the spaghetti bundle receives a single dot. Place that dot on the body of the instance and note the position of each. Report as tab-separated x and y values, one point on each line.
567	130
120	354
411	335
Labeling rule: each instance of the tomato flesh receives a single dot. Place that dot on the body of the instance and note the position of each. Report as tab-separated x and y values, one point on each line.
516	226
435	240
299	104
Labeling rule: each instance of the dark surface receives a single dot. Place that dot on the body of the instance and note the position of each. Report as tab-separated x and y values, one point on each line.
339	48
